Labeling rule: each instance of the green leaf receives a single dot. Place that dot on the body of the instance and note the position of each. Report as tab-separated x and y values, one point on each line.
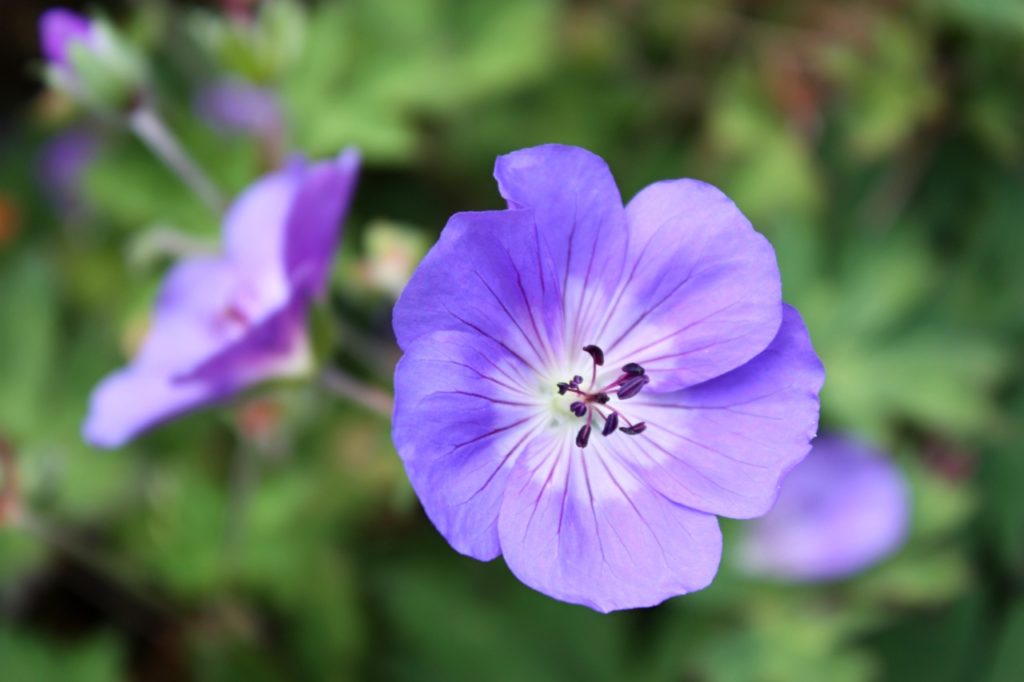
1009	652
28	337
29	658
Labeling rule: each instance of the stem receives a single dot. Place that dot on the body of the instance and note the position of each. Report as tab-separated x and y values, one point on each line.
145	122
347	386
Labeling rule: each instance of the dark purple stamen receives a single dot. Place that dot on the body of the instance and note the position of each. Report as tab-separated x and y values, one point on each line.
596	353
583	437
628	384
630	387
633	369
611	422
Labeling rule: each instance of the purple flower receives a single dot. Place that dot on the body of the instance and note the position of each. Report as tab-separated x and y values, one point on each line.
59	29
90	61
224	323
662	320
233	105
841	510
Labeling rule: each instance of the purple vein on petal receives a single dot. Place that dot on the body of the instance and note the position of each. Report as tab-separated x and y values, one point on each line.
636	352
541	338
487	377
487	398
593	508
664	554
480	331
691	467
508	455
544	486
489	434
632	274
671	294
511	317
704	446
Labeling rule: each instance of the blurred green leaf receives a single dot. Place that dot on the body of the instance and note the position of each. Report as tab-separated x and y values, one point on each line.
28	658
999	16
28	336
372	67
769	168
1009	649
943	645
448	626
890	93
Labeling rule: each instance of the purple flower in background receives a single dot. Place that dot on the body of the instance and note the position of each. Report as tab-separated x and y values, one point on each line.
224	323
59	29
237	106
841	510
61	163
586	386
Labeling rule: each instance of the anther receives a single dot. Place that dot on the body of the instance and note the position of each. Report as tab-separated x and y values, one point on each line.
578	408
632	386
576	381
602	398
596	353
633	430
562	387
633	369
610	424
583	437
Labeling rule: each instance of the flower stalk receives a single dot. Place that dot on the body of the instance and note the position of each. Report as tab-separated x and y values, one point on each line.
345	385
150	128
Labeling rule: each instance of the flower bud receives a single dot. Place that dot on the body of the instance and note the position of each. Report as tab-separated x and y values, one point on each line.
88	60
258	49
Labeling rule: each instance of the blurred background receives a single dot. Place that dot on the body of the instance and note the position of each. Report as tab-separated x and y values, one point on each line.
879	145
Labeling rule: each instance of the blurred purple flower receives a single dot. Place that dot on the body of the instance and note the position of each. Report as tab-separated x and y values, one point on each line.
59	29
89	60
237	106
224	323
586	386
841	510
61	163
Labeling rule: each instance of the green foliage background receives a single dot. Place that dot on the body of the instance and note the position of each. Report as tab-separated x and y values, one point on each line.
879	145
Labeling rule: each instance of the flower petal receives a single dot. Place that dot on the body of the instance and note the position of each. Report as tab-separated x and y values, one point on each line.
487	275
702	293
58	29
842	509
132	400
581	225
315	221
581	527
723	446
461	419
277	346
256	228
188	325
234	105
137	398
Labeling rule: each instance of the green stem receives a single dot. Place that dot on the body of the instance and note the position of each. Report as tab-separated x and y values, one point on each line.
145	123
347	386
